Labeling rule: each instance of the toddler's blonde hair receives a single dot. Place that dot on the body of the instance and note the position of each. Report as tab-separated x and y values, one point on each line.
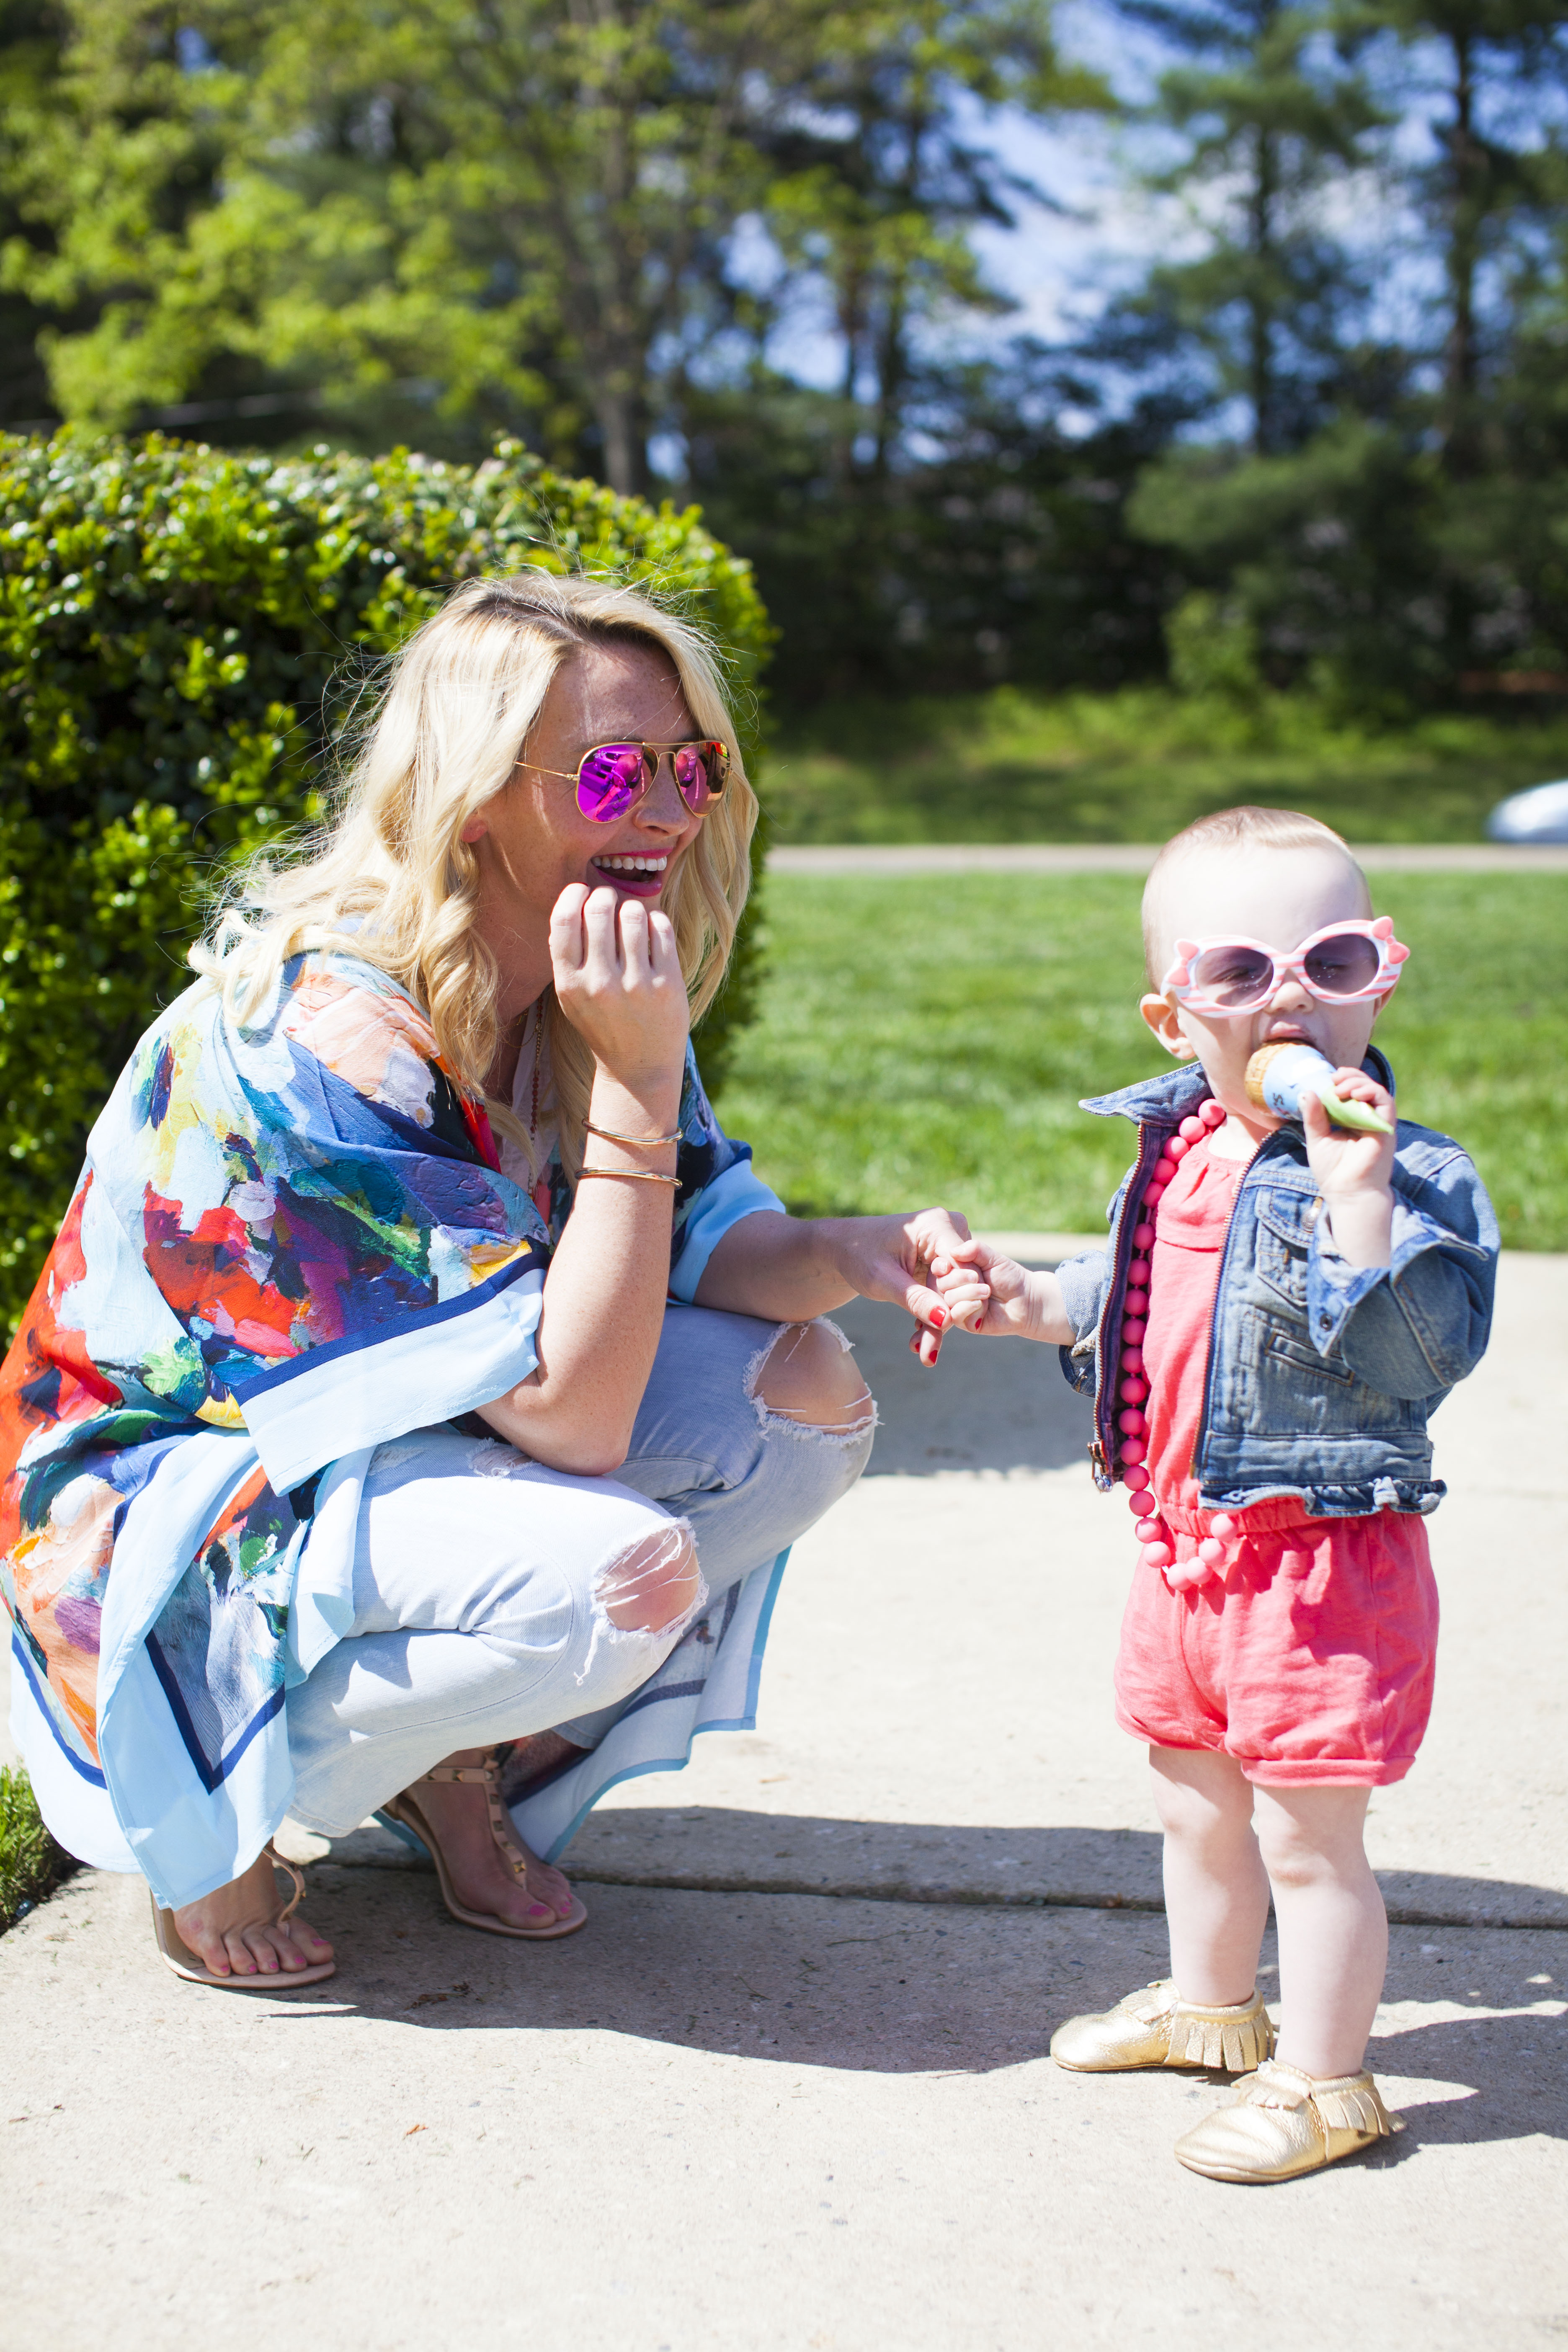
1235	828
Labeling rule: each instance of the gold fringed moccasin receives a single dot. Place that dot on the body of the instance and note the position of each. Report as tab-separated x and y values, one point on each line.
1280	2123
1157	2027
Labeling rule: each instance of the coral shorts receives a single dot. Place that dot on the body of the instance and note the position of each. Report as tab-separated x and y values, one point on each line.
1311	1663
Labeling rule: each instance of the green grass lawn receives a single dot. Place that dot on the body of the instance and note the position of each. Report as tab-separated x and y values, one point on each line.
927	1039
1136	766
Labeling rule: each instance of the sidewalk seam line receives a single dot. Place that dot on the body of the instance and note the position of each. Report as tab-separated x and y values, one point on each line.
1398	1915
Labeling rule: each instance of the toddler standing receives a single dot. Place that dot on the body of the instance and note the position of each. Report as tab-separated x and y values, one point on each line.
1282	1304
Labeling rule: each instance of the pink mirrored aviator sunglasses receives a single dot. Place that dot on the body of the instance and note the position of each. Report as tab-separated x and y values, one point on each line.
1340	965
612	778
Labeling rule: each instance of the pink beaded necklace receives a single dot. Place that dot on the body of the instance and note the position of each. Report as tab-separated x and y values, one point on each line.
1159	1550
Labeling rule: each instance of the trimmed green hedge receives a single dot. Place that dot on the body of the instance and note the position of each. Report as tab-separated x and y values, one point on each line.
31	1864
172	623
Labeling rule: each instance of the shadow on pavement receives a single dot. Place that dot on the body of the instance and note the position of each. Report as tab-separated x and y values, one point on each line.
897	1988
713	1848
1512	2066
859	1986
990	1404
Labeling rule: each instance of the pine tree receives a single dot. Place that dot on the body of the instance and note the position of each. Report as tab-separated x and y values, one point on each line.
1268	116
1483	55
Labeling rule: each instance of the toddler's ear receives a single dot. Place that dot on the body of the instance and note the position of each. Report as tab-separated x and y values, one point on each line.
1165	1022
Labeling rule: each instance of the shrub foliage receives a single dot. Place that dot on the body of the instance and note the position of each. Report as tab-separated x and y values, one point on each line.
31	1864
181	632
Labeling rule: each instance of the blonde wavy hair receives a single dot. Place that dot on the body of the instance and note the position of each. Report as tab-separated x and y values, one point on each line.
390	880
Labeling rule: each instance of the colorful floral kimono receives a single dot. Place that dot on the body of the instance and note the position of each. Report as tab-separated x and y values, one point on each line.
292	1242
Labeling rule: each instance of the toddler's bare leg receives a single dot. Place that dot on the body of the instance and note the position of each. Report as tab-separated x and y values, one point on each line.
1333	1929
1216	1890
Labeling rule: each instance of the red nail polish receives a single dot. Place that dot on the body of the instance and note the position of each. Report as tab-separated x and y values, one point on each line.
938	1319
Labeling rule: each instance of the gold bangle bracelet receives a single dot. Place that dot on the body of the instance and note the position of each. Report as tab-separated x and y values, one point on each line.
629	1175
641	1142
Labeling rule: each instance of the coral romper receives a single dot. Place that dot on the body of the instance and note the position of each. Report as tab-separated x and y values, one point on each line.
1309	1655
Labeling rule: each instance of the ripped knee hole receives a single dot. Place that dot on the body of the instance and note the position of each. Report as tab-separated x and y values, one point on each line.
654	1583
807	1376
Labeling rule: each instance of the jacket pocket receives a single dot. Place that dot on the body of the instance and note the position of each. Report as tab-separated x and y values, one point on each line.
1314	1399
1285	1222
1283	1348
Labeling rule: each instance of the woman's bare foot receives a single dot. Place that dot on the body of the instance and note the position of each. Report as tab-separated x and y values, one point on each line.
482	1878
238	1930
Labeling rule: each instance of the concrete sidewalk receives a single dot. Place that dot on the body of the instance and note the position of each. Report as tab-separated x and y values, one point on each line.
790	2088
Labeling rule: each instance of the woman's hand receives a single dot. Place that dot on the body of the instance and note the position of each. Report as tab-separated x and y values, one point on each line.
792	1269
619	982
1354	1172
891	1257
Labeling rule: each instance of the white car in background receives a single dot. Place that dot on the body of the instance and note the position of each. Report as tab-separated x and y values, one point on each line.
1538	814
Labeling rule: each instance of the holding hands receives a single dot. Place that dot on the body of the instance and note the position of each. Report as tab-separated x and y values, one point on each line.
996	1298
895	1258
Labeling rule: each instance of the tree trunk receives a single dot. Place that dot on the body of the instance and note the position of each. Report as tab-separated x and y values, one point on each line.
891	370
1261	303
851	305
611	325
1467	171
892	354
623	426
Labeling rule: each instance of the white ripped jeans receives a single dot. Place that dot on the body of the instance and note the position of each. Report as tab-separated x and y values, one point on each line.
494	1598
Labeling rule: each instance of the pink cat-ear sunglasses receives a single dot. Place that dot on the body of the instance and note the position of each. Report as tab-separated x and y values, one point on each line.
1341	964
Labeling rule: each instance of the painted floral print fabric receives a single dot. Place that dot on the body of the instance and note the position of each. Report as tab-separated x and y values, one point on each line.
292	1242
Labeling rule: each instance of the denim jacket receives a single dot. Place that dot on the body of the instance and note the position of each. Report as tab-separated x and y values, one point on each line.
1322	1375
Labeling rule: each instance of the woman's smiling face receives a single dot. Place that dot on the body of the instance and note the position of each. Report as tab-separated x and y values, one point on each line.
531	839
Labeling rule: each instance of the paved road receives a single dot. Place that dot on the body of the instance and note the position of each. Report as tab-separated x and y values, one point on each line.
1130	858
790	2089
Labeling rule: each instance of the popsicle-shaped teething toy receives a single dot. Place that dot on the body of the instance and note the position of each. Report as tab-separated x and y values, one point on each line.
1277	1076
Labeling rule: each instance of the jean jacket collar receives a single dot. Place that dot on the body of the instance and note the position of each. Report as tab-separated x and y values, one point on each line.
1172	1096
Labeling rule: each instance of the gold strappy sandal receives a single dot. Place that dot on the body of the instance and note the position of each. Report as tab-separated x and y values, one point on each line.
406	1811
179	1957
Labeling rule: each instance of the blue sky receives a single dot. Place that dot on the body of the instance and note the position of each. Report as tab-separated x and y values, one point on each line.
1060	264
